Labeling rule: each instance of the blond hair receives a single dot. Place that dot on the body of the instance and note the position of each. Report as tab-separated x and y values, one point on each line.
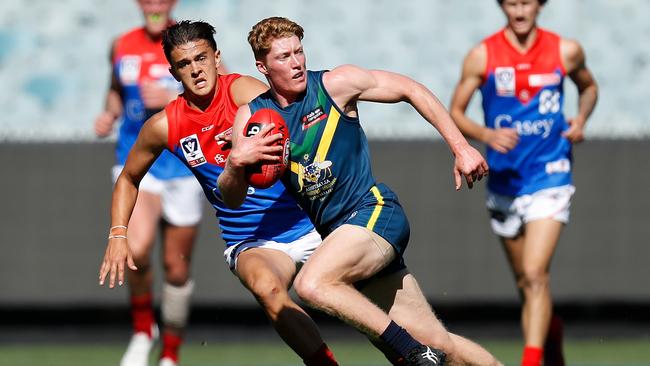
269	29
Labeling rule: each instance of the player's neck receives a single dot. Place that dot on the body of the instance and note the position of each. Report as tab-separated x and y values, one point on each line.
521	42
203	102
285	98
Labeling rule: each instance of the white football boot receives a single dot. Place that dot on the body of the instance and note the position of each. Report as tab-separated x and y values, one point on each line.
137	353
166	361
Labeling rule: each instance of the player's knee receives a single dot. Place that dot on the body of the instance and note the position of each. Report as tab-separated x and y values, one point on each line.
309	288
268	291
534	279
177	271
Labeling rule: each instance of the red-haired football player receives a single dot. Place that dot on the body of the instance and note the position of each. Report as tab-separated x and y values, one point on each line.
358	274
520	72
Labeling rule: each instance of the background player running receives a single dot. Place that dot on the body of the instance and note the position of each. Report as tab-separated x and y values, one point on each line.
520	72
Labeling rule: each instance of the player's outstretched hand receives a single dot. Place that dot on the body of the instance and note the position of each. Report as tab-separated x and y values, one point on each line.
117	253
471	165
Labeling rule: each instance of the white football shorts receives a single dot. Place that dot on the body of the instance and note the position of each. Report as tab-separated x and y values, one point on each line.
298	250
509	214
181	198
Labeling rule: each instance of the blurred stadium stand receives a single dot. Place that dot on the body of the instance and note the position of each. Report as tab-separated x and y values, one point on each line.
54	55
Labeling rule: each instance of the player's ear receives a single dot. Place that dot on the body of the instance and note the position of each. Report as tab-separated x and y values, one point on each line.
261	67
217	58
171	71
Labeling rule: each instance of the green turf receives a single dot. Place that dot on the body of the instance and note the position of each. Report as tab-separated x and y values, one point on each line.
578	352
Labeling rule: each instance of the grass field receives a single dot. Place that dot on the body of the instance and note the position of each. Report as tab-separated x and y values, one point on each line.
630	352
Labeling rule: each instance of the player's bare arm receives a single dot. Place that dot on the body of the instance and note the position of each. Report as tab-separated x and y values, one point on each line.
347	84
112	106
150	143
574	60
245	151
501	140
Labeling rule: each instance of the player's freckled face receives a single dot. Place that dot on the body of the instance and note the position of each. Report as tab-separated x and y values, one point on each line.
284	65
195	65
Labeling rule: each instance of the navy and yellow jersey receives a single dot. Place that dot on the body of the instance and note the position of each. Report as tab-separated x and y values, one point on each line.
330	171
330	162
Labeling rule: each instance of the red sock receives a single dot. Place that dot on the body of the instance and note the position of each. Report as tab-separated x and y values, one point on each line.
532	356
553	347
142	313
170	345
322	357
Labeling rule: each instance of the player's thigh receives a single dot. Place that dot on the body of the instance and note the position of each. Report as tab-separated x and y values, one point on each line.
259	268
514	249
400	296
143	223
540	242
349	254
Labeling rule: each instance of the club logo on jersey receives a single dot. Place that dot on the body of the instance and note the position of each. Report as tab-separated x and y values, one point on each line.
315	179
313	117
129	69
505	81
192	150
220	159
549	101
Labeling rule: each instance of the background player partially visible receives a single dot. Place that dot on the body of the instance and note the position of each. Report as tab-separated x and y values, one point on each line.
140	86
520	72
270	237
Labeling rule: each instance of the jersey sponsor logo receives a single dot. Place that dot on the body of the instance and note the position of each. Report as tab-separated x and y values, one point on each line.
134	110
505	81
207	128
313	117
129	69
558	166
192	150
549	101
538	80
538	127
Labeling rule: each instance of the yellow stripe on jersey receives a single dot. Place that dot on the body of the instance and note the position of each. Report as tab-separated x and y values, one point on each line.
328	134
377	210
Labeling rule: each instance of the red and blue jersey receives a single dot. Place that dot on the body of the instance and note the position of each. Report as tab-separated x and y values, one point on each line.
524	91
138	59
270	214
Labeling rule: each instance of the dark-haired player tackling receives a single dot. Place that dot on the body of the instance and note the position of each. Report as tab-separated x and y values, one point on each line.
269	237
